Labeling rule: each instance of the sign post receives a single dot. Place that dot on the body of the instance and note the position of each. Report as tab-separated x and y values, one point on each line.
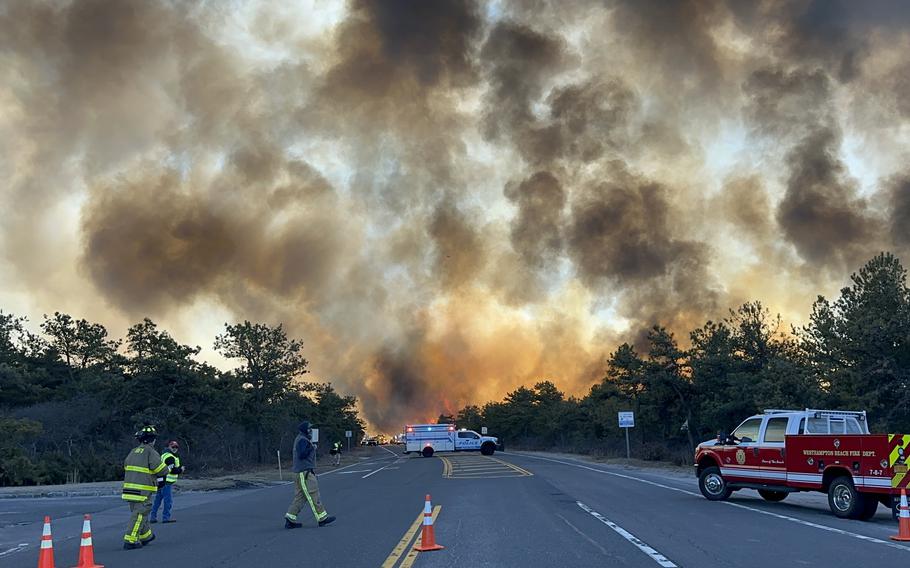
347	434
280	476
314	437
626	421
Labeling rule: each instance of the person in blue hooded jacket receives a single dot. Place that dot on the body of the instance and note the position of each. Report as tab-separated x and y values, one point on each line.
306	488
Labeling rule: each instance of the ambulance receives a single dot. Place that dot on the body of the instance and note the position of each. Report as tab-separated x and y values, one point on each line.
427	439
780	452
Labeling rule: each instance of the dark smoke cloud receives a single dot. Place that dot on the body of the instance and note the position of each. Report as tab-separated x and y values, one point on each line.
436	196
519	61
744	202
152	242
675	39
460	253
536	232
820	213
787	103
899	219
620	230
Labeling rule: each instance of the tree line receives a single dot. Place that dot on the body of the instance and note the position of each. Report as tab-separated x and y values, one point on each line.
854	353
71	398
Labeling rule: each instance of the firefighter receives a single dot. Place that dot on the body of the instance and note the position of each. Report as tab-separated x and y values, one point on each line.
336	453
144	470
166	493
306	488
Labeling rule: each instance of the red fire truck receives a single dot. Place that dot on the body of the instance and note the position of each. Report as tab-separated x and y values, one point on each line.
830	451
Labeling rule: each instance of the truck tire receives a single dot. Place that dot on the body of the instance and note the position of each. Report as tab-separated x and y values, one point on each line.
712	485
427	452
488	448
773	496
844	500
869	507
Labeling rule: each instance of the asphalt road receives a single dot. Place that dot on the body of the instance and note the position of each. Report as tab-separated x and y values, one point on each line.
509	510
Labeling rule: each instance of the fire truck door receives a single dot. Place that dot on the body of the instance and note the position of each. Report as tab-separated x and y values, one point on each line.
771	450
742	462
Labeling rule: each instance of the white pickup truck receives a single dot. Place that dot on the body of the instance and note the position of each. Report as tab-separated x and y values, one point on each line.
427	439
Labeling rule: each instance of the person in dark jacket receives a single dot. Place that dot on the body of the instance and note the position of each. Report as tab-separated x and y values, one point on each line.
306	488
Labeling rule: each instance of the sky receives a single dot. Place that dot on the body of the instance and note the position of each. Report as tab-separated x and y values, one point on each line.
446	200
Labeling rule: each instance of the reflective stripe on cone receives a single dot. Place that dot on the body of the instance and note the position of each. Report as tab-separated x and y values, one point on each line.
428	536
46	554
86	550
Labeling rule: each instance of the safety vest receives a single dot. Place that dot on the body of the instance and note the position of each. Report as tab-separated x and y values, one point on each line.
171	477
141	469
337	446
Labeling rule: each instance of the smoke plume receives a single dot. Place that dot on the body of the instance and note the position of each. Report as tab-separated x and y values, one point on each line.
446	200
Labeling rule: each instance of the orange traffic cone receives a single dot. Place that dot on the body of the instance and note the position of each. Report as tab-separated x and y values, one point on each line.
427	537
86	550
46	554
903	532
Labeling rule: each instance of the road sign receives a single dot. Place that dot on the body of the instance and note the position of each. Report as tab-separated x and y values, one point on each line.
347	433
483	430
314	436
626	419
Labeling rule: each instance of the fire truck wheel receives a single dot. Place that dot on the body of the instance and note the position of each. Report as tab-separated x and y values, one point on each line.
869	506
712	484
427	452
844	500
773	496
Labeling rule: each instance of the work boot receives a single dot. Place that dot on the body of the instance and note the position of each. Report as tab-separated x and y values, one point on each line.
327	520
148	540
131	545
289	524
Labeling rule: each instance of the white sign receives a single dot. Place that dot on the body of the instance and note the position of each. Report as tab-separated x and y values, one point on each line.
347	433
314	435
626	419
483	430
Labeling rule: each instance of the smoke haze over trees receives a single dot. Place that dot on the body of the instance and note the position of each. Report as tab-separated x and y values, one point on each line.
447	199
71	399
853	354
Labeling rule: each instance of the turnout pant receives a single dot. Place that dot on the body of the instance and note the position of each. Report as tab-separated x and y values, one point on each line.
139	529
306	491
165	494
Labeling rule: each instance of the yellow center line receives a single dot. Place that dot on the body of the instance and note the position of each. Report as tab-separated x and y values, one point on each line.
513	466
412	555
403	544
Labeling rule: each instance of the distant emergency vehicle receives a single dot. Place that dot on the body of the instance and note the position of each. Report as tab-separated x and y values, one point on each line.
427	439
829	451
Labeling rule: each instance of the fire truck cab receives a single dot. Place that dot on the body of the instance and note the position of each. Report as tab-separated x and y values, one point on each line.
780	452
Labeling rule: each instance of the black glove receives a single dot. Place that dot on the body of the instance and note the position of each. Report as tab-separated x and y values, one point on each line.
161	481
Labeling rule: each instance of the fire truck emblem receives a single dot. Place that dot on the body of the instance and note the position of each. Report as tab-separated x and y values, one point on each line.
740	457
836	443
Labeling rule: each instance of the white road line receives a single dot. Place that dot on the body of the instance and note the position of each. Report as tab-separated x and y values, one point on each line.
378	470
354	471
731	504
655	556
14	549
361	464
390	451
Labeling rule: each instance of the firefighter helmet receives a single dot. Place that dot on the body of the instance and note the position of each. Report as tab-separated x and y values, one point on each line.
147	434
